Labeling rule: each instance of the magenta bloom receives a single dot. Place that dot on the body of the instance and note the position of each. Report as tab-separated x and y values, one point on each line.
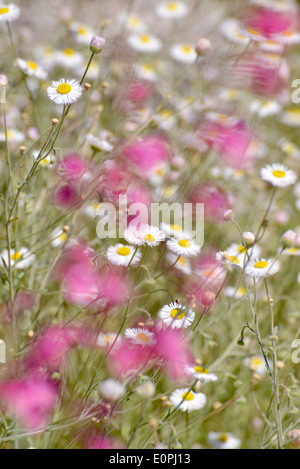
102	442
172	348
147	153
215	201
31	399
139	91
269	22
127	358
232	142
51	347
66	196
73	167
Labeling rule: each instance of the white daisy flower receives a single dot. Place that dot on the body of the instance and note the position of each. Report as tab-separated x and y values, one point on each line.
188	400
165	119
21	259
32	69
183	264
184	53
59	237
291	117
265	108
272	47
64	91
242	253
254	35
99	144
177	316
9	12
183	247
106	339
83	34
262	268
290	149
172	9
202	374
145	43
13	136
69	58
291	252
94	210
146	235
278	175
158	175
122	255
233	292
223	441
232	30
48	162
173	231
134	23
256	365
287	38
146	71
140	336
230	259
112	390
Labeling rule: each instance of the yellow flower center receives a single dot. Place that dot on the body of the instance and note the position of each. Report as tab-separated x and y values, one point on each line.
253	32
182	261
288	33
184	243
32	65
233	260
188	396
242	249
176	228
145	39
292	251
63	238
4	10
64	88
16	256
175	314
279	174
143	338
124	251
200	369
261	265
172	6
223	438
69	51
149	238
187	49
134	21
82	31
256	362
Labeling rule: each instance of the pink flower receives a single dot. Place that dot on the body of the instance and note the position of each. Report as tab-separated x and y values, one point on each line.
31	399
102	442
269	22
130	359
73	167
139	91
51	347
215	201
232	142
172	348
66	196
147	153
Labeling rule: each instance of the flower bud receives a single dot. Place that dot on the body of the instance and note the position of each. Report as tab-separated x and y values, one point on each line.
228	215
203	46
249	239
290	238
97	44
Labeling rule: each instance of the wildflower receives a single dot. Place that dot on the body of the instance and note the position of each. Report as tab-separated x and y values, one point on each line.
139	336
99	144
171	9
94	210
68	58
182	264
231	259
265	108
291	117
134	23
223	441
82	33
112	390
31	399
13	136
9	12
177	316
59	237
278	175
123	255
97	44
47	162
183	247
260	268
107	339
233	31
32	69
146	390
235	293
21	259
257	365
202	374
184	53
64	91
203	46
146	235
146	71
187	400
147	153
145	43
